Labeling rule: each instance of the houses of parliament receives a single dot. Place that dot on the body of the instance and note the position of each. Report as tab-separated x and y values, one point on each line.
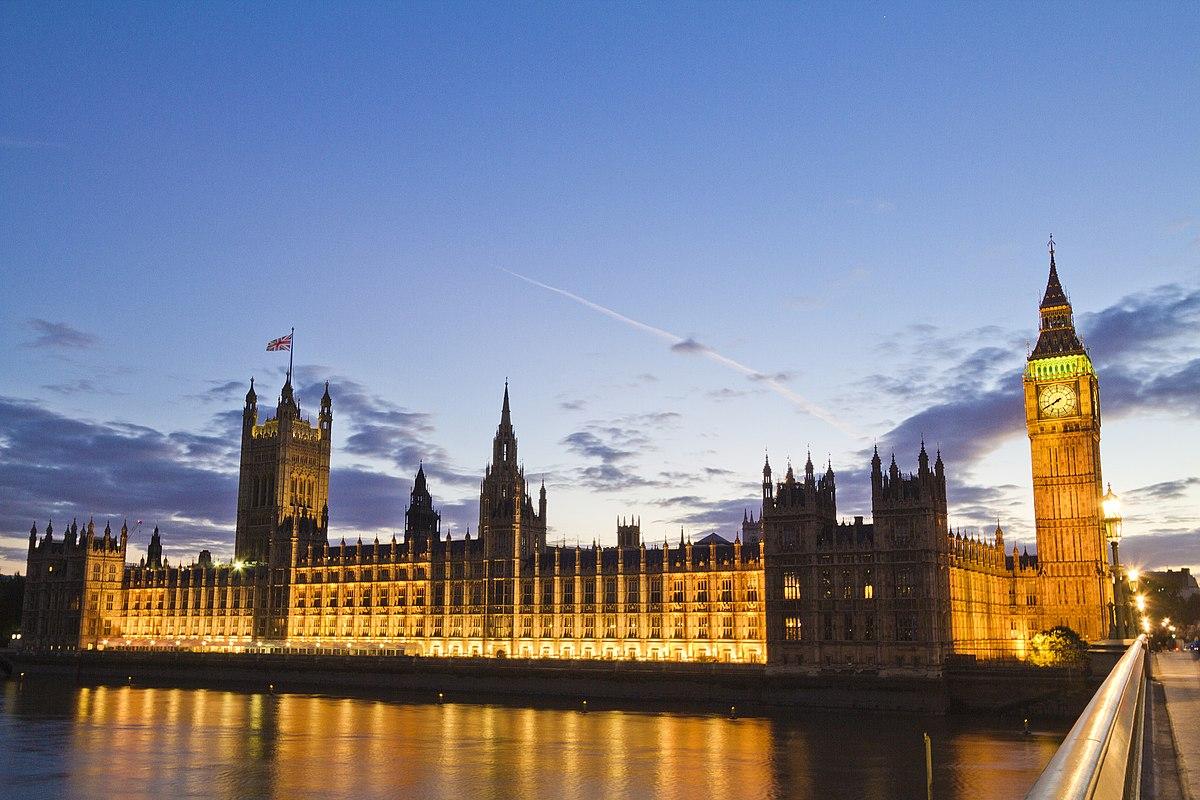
797	589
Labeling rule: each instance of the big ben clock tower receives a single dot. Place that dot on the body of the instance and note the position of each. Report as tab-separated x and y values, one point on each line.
1062	416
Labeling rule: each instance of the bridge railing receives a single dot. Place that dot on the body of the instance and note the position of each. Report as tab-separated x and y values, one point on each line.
1101	756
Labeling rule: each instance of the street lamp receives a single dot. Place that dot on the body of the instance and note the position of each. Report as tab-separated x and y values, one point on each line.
1110	508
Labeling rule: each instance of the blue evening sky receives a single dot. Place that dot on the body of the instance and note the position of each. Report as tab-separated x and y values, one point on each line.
835	217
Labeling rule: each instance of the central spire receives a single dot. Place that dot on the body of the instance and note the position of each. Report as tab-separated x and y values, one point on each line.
1057	336
1055	297
504	446
505	414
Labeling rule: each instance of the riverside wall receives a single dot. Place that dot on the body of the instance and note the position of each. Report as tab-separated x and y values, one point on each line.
750	688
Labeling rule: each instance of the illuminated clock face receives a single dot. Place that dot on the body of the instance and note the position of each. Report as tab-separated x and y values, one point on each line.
1058	401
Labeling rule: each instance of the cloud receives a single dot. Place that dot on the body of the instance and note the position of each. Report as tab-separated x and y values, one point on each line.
55	466
589	445
378	429
727	394
81	386
614	445
59	334
1163	550
689	345
221	392
1143	353
1167	490
52	466
777	377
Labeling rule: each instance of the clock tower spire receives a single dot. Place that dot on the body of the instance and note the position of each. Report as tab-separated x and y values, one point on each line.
1062	418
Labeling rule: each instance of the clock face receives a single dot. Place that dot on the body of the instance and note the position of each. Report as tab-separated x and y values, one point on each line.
1058	401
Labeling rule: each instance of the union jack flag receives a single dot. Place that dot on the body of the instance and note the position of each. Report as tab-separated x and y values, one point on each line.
282	343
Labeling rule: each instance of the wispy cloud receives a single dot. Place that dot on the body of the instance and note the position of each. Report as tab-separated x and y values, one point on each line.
689	346
59	334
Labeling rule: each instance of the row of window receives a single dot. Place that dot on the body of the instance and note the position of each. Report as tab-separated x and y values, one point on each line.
848	586
793	628
566	628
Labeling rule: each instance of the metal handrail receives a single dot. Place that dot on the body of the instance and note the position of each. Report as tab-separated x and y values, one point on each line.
1101	756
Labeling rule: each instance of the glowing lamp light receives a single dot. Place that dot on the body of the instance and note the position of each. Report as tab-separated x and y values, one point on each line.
1110	506
1140	600
238	566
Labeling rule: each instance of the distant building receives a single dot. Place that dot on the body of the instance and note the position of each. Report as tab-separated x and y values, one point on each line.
1181	581
795	588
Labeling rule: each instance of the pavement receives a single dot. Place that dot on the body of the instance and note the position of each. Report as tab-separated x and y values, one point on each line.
1179	674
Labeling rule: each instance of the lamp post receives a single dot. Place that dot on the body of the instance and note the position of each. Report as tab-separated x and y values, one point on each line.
1110	506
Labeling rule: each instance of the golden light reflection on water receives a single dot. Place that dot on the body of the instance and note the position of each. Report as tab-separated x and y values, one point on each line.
135	742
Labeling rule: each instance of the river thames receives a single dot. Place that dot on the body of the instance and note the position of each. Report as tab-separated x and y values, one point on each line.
66	741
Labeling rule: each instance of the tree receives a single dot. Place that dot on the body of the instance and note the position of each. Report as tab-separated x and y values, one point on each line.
1058	647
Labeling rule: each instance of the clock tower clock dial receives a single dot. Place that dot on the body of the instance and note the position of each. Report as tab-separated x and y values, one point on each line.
1058	400
1062	418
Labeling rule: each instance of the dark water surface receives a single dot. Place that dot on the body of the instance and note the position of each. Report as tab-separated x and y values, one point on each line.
66	741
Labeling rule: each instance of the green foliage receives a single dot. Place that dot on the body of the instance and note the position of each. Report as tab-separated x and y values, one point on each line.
1058	647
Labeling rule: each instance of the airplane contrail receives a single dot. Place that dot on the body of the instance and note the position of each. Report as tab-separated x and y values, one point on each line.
690	345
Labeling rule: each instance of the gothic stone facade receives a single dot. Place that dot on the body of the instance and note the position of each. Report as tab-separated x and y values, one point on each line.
803	591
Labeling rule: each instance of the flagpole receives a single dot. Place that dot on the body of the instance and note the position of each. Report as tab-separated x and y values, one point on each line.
291	351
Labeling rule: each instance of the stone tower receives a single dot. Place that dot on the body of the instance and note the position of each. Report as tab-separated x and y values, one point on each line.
508	523
284	474
1062	417
422	523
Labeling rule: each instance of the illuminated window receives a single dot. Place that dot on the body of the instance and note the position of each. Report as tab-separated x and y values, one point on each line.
702	590
792	628
678	634
610	626
655	628
752	590
752	627
677	591
726	627
702	630
791	585
727	590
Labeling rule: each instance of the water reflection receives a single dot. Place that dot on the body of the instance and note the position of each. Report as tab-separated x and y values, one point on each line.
135	742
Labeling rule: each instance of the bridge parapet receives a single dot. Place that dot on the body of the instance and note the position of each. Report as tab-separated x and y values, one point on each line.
1101	758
